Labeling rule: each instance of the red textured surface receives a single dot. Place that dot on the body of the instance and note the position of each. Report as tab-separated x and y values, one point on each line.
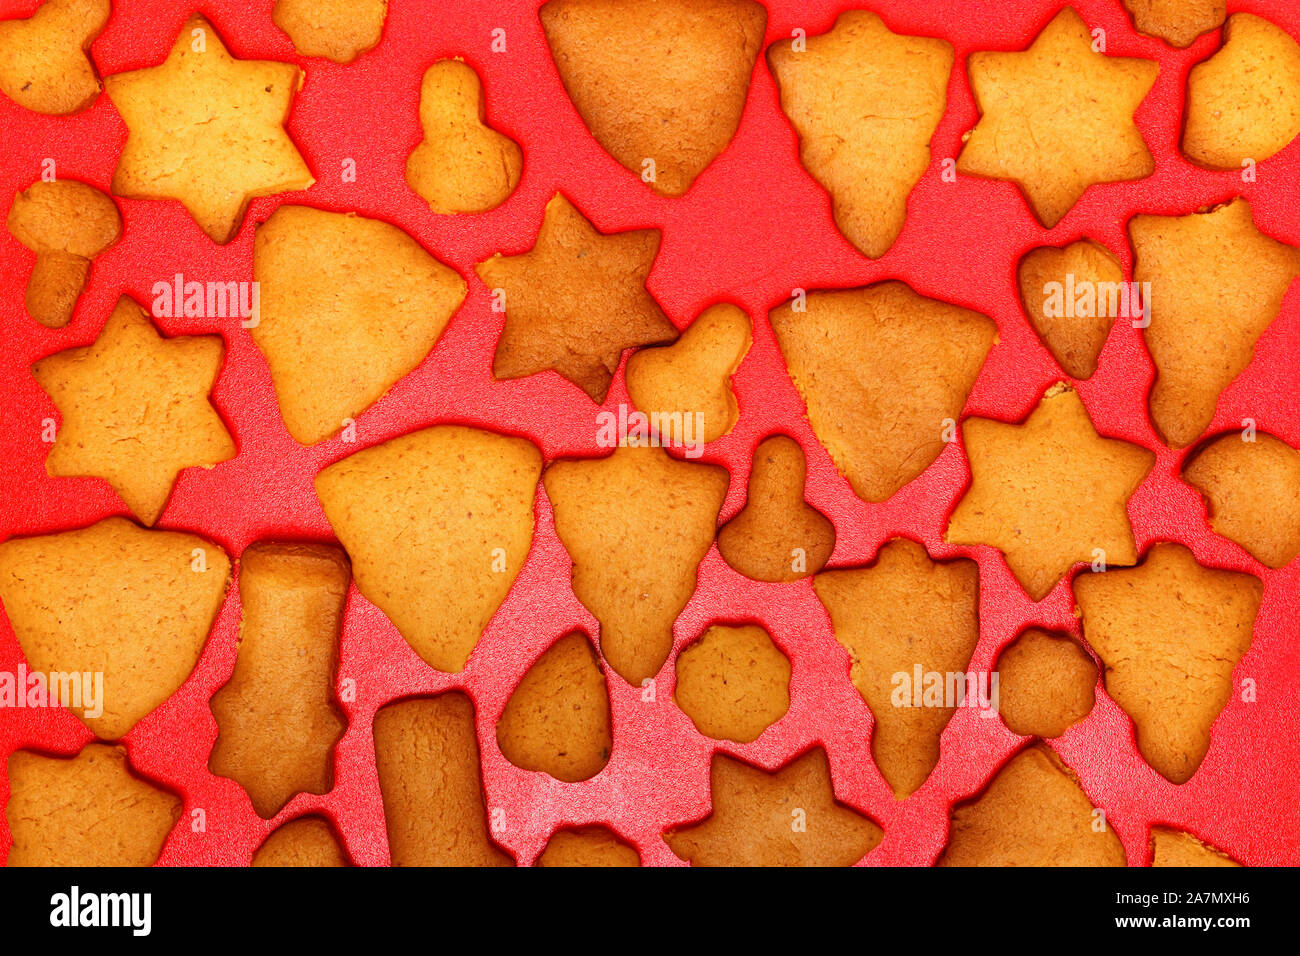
754	227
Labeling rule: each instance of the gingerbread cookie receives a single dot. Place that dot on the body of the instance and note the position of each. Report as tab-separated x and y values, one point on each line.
900	618
691	378
1170	847
786	818
66	224
575	301
1049	492
277	719
1177	22
1034	813
45	62
135	408
348	306
307	841
661	85
636	524
1072	296
438	524
1243	103
588	846
1216	284
426	754
1252	490
733	683
85	811
867	157
1169	633
115	600
339	30
207	130
462	165
1043	113
557	719
1046	683
884	372
777	536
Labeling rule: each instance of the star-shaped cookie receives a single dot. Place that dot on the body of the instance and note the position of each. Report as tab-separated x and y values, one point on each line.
208	130
786	818
575	301
1050	492
135	408
1058	117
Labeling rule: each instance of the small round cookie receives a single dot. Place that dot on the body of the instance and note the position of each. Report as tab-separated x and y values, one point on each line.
1252	491
588	846
1046	683
733	683
1243	103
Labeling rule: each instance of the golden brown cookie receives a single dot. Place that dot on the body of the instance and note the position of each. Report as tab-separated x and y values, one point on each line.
1177	22
135	408
45	62
1034	813
692	377
557	720
777	536
307	841
208	130
884	372
661	84
349	306
339	30
116	600
1046	683
1169	633
87	810
587	846
462	165
1243	103
1049	492
426	754
1216	284
277	720
438	524
1170	847
1058	117
1252	490
636	524
1072	296
865	102
66	224
575	301
786	818
733	683
901	616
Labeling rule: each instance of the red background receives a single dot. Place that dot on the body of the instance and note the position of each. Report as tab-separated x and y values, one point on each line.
753	227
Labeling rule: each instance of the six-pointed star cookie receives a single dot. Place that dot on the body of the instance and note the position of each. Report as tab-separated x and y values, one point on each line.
1049	493
576	301
208	130
135	408
1058	117
751	822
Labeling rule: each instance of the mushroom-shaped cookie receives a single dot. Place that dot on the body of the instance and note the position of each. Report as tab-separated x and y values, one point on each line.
778	536
66	224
